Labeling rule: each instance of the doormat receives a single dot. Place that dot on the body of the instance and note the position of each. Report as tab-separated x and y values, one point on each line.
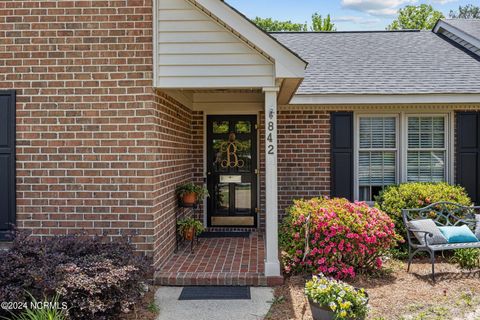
215	293
223	234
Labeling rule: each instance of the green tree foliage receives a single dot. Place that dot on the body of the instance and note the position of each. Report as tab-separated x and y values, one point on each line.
466	12
322	24
318	24
422	17
270	25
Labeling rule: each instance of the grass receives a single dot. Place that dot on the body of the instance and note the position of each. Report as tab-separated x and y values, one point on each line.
153	308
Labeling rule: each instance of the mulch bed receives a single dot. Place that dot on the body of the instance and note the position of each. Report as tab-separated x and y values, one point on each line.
397	294
142	310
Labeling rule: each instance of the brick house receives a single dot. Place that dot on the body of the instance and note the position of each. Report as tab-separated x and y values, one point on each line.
106	106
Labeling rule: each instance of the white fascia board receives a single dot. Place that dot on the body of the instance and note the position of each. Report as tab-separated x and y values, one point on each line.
383	98
287	64
459	33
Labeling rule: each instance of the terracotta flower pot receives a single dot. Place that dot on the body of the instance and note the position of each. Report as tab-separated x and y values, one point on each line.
189	199
189	234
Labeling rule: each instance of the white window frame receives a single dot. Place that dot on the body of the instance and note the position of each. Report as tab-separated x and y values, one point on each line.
402	142
357	145
446	143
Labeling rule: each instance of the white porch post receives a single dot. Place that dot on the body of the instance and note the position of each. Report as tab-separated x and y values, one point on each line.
272	264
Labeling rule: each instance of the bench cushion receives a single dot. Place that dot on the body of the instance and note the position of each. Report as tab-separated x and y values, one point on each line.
454	246
477	229
429	226
460	234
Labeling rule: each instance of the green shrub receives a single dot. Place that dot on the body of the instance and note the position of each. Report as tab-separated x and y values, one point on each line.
467	258
416	195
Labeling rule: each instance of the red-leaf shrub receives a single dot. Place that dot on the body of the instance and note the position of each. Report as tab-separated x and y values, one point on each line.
96	279
335	237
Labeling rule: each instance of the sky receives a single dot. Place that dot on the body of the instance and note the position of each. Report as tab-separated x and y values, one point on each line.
348	15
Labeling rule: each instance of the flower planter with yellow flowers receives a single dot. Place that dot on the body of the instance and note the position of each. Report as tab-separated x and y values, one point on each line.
335	300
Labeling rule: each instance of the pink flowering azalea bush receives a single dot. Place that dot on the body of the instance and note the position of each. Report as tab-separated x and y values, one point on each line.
335	237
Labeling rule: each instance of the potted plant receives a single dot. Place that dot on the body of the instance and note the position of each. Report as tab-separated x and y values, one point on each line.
189	227
189	193
333	299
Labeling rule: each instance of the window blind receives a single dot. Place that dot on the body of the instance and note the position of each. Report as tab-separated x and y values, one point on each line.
376	168
426	132
377	132
426	152
377	151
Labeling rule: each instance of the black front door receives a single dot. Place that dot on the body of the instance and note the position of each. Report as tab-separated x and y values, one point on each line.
232	171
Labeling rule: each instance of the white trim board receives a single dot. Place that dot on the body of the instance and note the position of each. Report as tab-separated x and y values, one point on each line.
456	31
383	98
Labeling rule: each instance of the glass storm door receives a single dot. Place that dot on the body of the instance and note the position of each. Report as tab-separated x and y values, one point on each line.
232	167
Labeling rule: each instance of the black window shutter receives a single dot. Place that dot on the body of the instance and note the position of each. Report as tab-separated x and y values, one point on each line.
7	163
341	137
467	153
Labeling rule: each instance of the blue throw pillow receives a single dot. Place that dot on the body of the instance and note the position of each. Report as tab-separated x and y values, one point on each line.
460	234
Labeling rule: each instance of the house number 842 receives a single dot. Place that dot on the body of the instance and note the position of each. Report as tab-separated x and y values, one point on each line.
270	147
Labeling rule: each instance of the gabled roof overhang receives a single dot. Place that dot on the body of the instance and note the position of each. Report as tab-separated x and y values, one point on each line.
289	67
287	63
444	25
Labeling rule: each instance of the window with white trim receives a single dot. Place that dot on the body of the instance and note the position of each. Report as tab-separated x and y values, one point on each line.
399	147
377	155
426	148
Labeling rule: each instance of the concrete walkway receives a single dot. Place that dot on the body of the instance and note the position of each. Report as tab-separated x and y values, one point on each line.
171	308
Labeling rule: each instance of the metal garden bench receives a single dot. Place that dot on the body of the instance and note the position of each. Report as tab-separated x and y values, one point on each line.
443	214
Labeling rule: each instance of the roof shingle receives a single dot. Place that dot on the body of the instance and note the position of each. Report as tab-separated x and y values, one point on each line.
415	62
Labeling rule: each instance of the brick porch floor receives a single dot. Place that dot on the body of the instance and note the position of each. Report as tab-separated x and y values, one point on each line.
218	261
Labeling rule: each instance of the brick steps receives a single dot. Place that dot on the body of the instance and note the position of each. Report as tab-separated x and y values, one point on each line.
210	279
218	262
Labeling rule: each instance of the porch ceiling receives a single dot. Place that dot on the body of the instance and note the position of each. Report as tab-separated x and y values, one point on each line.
241	99
221	101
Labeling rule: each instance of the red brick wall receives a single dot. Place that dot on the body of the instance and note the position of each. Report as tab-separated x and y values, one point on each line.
173	165
303	156
83	75
197	154
98	150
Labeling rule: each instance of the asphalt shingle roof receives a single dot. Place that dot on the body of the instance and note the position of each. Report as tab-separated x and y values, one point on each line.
469	26
418	62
